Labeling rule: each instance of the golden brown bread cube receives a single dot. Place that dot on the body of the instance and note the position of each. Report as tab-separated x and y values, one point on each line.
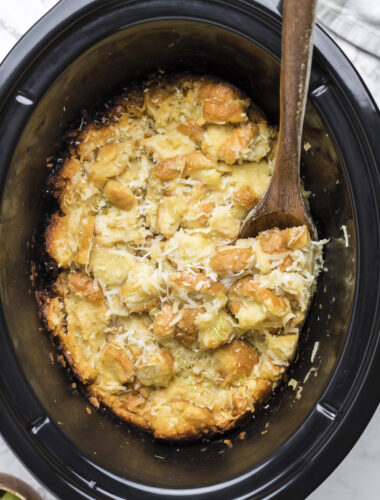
114	225
192	130
107	164
250	288
280	241
240	403
119	195
269	370
231	260
195	162
157	369
87	320
235	360
199	283
168	145
214	138
71	188
223	103
248	312
197	215
94	137
184	248
58	239
83	335
282	347
245	197
255	306
86	287
233	148
116	364
86	233
169	215
142	287
215	329
69	238
187	331
181	324
169	169
262	390
164	325
109	267
53	309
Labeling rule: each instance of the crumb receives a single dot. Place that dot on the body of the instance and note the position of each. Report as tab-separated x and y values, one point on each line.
171	44
204	449
228	442
88	410
94	401
220	452
264	432
74	385
242	435
344	229
299	393
61	360
312	369
293	383
315	349
51	357
306	146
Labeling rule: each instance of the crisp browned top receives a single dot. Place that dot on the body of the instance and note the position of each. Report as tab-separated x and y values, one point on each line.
171	322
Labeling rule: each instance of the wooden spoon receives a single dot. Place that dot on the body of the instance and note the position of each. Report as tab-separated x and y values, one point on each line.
282	205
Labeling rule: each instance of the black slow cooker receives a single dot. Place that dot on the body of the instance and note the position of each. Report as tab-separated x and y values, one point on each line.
83	51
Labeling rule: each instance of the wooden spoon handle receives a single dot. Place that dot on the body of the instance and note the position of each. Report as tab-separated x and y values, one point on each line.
297	47
282	205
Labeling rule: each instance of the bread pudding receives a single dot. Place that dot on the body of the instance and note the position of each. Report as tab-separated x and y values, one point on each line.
166	317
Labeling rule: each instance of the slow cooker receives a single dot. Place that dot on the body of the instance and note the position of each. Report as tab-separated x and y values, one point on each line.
83	51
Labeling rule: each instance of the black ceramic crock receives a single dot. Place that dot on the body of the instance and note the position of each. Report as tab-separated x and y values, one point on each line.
83	50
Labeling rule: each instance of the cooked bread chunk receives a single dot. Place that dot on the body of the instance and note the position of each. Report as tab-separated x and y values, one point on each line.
170	321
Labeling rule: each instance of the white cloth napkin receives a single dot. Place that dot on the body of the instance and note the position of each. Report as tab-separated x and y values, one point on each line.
355	27
357	21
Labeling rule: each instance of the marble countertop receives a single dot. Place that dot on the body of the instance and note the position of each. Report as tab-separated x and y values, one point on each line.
357	477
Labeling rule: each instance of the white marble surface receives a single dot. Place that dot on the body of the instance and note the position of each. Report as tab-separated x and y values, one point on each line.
358	476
